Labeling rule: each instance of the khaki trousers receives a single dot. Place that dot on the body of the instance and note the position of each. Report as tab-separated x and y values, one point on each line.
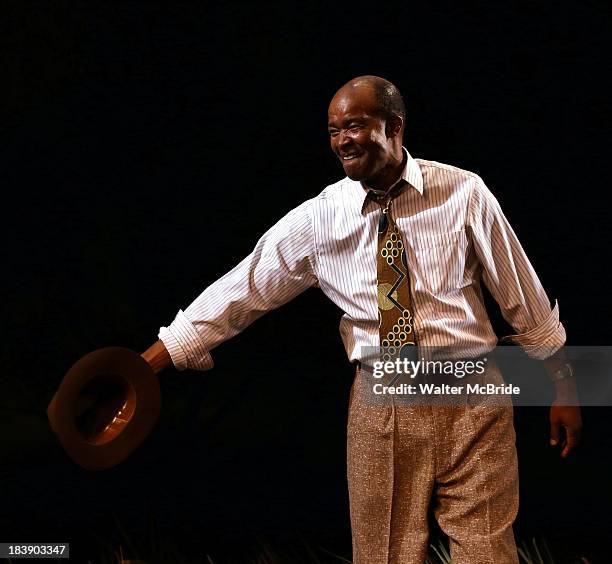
461	459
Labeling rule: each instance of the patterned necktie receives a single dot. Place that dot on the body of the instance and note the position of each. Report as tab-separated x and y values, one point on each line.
395	310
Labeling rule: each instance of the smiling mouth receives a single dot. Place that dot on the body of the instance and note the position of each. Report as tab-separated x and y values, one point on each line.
350	157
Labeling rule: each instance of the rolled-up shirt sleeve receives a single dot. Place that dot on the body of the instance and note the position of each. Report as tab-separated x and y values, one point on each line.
511	279
281	266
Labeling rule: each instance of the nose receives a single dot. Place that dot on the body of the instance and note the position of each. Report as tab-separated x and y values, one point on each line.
344	140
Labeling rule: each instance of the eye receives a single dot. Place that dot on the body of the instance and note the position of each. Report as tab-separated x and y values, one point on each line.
354	127
333	132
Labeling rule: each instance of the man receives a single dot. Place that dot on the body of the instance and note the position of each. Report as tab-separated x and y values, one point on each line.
454	234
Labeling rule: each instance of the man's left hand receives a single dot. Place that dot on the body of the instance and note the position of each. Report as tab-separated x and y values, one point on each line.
568	418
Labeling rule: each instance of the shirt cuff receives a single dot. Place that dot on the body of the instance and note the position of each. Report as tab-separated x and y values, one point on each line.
544	340
184	344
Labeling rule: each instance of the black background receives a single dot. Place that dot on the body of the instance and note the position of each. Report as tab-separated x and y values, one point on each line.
139	135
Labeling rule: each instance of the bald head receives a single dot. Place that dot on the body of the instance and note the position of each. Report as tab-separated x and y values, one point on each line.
366	125
389	101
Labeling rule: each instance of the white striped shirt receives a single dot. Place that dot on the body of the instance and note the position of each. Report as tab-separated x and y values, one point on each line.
455	235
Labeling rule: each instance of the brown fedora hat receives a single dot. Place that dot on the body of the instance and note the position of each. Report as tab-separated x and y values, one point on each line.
106	405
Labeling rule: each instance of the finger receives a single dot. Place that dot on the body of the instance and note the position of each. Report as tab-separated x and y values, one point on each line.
555	433
573	438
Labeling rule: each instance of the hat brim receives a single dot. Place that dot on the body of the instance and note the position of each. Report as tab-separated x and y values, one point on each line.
100	432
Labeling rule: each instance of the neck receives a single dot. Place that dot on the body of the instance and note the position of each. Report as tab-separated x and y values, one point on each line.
389	175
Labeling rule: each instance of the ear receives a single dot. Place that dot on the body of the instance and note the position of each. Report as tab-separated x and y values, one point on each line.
394	125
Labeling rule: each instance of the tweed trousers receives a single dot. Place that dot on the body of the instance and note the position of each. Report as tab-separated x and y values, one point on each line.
458	459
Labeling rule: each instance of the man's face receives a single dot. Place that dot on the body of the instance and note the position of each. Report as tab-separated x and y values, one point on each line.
358	137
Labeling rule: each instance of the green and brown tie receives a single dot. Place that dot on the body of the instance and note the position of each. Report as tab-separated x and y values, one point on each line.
395	310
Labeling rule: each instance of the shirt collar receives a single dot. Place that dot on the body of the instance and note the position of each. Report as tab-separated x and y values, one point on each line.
411	174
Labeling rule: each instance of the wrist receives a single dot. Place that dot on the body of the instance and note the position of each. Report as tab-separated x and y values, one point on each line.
564	372
157	356
565	391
